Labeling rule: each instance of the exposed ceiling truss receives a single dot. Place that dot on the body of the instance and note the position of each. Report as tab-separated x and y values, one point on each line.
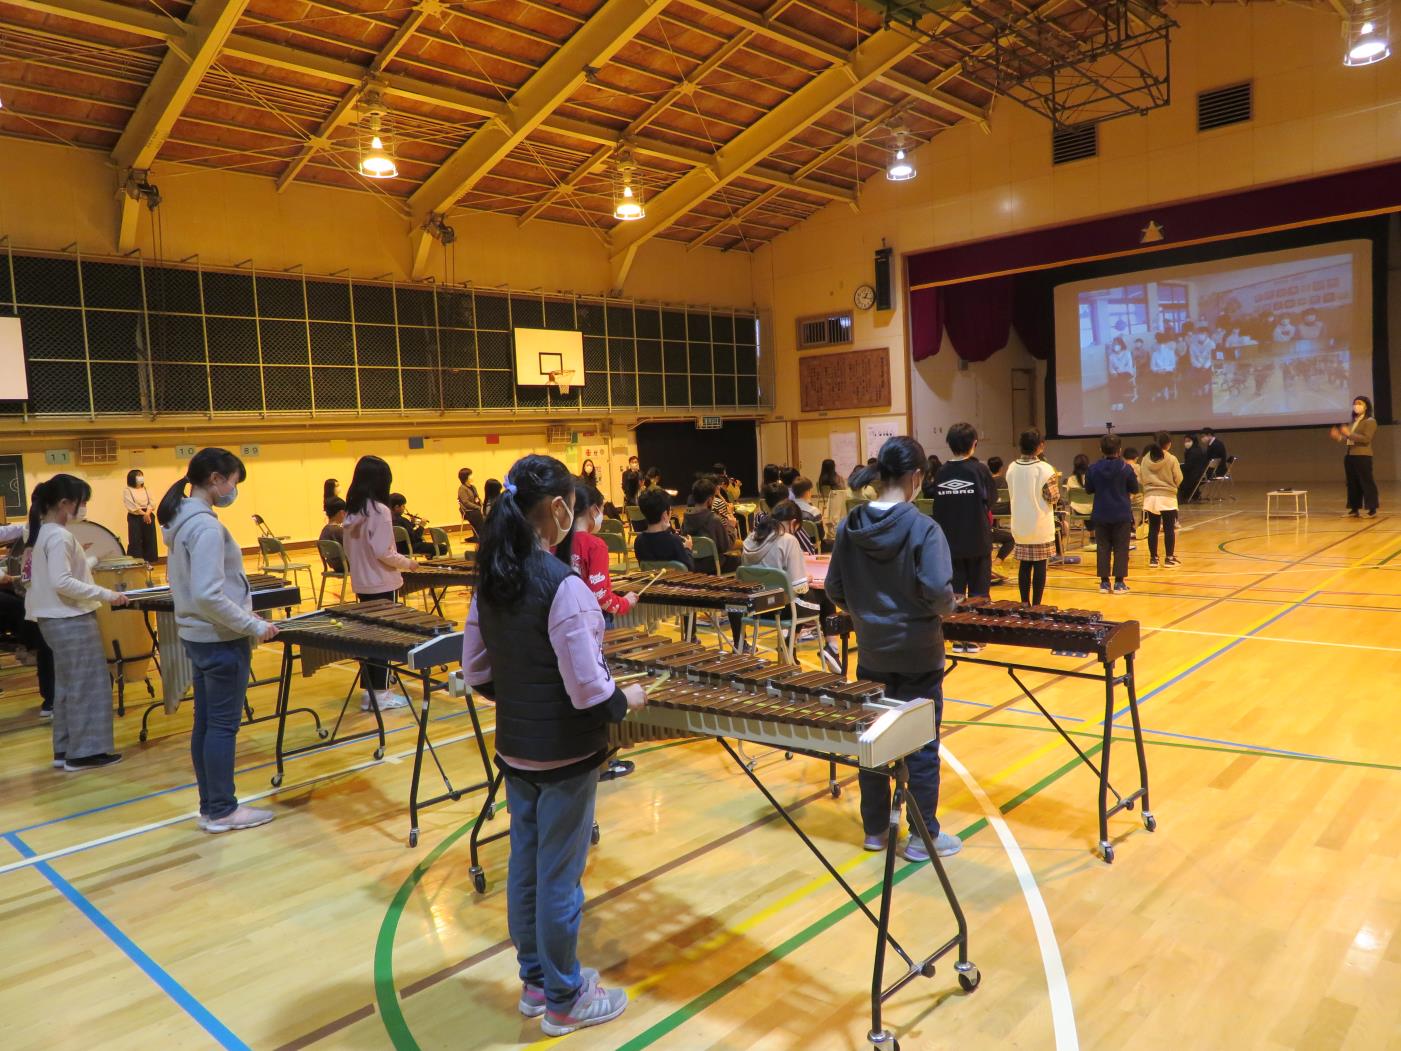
744	117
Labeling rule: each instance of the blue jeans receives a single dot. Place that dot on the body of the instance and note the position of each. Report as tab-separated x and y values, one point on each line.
923	765
551	823
221	684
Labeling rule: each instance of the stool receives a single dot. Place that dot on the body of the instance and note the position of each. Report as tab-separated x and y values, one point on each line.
1274	503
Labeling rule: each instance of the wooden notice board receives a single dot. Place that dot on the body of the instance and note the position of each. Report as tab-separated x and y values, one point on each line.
854	379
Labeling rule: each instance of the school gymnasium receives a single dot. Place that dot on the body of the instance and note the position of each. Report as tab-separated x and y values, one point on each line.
290	290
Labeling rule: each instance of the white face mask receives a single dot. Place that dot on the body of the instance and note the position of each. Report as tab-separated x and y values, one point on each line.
140	481
80	514
598	519
561	527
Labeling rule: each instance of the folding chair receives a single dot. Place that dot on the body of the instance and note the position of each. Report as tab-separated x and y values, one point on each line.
788	622
813	532
1221	479
263	531
617	544
636	518
1205	479
269	546
704	547
442	546
612	525
402	543
332	553
924	505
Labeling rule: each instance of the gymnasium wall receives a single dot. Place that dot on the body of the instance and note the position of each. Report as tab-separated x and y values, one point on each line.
1311	115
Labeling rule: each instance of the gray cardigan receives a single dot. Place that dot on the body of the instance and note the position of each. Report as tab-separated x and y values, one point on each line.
1359	440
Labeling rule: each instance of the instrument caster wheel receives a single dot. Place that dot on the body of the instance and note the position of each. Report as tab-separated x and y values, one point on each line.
379	753
322	732
141	736
969	977
836	790
1150	822
276	780
927	971
413	837
595	835
479	880
1129	805
788	755
1107	852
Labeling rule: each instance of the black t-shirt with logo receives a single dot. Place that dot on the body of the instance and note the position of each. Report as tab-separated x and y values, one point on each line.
962	496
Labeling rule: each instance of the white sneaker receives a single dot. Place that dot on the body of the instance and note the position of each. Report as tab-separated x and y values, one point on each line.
594	1006
366	701
390	699
243	817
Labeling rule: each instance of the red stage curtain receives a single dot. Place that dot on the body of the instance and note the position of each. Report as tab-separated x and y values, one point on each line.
978	316
926	323
1031	316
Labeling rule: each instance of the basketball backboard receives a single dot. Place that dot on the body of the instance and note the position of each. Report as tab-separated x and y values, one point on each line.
541	351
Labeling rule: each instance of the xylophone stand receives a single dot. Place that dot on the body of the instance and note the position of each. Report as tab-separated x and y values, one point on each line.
452	794
1111	679
968	975
284	693
477	840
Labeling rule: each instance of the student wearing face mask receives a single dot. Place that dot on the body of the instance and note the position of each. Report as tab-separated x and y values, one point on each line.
588	555
62	598
214	614
533	642
140	518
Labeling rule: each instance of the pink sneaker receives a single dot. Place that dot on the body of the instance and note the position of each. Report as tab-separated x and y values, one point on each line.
533	1004
593	1006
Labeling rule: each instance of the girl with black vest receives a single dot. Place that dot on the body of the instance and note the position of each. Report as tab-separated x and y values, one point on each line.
533	642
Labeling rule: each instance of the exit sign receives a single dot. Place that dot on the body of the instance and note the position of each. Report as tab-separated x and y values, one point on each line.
185	452
709	423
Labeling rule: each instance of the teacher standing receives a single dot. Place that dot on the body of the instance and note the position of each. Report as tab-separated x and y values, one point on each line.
140	518
1357	462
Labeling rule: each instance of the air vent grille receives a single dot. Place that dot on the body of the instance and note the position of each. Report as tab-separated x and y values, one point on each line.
1074	144
824	330
1221	107
96	451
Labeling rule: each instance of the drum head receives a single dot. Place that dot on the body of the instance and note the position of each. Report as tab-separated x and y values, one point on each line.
97	540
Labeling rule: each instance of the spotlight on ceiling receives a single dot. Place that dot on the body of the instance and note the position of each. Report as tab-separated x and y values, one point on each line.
1367	30
899	168
627	196
376	139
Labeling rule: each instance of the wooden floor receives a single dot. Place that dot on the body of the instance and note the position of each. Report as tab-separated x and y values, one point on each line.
1265	913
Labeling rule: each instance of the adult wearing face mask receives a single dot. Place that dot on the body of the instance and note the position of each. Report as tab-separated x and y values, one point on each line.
140	518
214	615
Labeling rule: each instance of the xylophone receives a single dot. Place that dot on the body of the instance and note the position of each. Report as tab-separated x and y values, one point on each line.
157	605
696	691
673	593
1065	633
437	575
411	642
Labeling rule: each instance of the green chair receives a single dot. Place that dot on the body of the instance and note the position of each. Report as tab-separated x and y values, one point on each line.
811	529
636	518
332	554
442	546
652	567
787	623
401	540
1079	504
270	547
704	547
617	544
612	525
924	505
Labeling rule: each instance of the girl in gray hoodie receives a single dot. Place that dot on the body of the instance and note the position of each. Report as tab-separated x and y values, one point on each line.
214	613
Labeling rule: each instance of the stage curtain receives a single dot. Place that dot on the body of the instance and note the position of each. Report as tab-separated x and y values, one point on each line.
978	316
1032	317
926	323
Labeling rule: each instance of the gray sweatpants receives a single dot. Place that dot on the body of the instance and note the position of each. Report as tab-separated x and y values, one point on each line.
82	687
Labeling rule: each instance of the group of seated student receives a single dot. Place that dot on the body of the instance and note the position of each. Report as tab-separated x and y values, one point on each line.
29	644
776	543
705	518
660	542
775	494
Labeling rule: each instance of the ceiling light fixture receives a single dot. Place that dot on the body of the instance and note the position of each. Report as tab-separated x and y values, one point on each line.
376	139
627	197
1368	32
900	168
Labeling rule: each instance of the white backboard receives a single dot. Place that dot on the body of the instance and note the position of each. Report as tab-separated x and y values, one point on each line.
541	350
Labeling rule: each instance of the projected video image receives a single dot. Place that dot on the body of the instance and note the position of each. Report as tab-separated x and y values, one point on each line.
1225	341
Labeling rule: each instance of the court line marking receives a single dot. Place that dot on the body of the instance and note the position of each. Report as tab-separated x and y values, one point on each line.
1194	524
1272	638
206	1019
1057	984
116	837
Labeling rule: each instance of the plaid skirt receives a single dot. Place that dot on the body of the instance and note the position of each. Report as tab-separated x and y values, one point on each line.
1034	552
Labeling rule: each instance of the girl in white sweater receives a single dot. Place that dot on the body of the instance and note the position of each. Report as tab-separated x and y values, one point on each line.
61	596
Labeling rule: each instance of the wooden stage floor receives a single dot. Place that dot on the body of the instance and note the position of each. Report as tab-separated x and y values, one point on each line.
1264	913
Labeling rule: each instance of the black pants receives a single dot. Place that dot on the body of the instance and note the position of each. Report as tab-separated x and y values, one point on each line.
26	633
1361	486
1004	541
374	676
972	576
922	764
473	517
1113	537
1167	520
141	538
1031	580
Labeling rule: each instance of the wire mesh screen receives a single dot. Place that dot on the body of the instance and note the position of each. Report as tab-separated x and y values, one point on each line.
124	337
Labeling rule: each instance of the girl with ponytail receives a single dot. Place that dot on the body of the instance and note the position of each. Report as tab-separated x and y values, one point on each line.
891	570
214	615
534	642
62	598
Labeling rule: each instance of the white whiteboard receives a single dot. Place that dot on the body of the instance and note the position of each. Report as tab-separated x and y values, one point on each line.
542	350
14	382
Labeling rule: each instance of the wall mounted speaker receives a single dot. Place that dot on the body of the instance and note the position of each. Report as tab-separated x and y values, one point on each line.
884	290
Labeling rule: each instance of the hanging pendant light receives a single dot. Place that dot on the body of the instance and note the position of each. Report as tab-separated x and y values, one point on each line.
376	139
1367	31
627	194
899	168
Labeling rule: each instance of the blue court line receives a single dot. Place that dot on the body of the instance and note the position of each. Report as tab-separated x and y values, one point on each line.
192	784
154	971
1019	711
1238	744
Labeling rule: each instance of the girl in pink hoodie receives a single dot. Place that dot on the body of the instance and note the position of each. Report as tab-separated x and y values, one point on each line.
373	561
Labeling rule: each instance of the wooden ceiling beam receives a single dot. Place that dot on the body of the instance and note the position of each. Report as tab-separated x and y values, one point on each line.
874	56
187	59
108	14
591	46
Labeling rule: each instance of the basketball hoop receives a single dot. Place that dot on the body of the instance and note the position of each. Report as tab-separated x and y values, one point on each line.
560	379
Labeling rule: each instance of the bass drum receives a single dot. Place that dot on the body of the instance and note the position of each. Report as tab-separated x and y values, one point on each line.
97	540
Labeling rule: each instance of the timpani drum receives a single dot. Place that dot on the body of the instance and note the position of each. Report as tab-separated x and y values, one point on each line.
126	640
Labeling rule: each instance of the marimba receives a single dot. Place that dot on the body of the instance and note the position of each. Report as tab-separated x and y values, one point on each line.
411	643
697	691
673	593
1065	633
437	575
157	605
